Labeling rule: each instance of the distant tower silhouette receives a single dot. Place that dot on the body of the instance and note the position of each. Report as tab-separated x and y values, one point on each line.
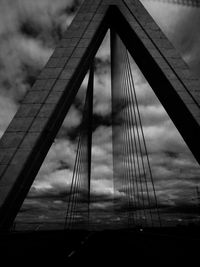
29	136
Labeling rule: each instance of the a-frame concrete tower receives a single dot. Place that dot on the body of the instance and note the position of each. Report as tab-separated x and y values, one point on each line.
29	136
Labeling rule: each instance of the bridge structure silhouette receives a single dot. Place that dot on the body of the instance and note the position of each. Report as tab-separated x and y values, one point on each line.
30	134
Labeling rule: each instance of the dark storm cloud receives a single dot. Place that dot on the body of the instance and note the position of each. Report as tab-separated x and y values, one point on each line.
180	23
50	205
186	209
55	193
63	194
28	32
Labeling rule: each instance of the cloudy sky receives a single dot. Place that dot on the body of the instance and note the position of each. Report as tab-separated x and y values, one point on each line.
29	30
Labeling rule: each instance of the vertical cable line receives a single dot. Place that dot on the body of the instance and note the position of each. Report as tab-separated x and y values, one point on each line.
68	213
131	157
79	203
126	143
114	112
137	166
81	179
136	141
124	155
122	172
128	127
144	141
89	133
125	171
75	185
79	187
129	143
129	165
132	165
138	126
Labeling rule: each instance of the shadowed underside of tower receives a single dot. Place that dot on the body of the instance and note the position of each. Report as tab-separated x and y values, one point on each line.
29	136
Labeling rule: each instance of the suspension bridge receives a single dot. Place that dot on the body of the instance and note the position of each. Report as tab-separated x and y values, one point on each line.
29	137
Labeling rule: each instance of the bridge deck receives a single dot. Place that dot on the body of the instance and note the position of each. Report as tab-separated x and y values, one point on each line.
164	247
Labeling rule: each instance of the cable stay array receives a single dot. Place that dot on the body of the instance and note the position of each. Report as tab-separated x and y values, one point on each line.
135	201
78	210
132	169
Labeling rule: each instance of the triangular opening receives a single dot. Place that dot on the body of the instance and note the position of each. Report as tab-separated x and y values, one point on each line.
46	204
137	214
174	169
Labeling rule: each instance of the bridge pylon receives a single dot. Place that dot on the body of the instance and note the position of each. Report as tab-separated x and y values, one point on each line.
30	134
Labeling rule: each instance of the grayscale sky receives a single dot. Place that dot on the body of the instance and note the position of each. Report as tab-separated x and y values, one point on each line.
29	30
